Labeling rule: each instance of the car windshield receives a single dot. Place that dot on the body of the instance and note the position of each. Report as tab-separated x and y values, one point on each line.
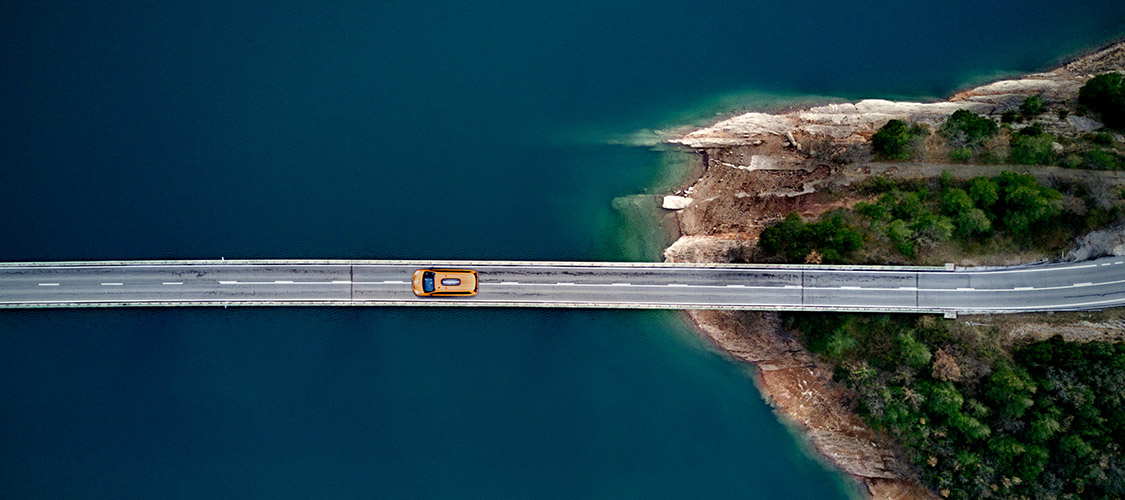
427	282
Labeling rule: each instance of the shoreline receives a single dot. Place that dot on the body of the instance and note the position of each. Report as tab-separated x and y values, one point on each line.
761	155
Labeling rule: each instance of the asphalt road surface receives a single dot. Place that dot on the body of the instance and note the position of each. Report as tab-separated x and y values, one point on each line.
1087	285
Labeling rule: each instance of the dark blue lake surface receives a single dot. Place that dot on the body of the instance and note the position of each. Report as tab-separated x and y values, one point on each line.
134	130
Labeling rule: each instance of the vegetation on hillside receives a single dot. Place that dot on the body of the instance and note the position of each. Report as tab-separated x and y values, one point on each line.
978	419
896	140
1046	420
829	240
913	220
969	137
965	129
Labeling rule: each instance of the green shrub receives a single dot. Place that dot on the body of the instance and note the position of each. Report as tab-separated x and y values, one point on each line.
873	211
965	128
1032	130
1024	202
1105	94
1030	149
1098	159
1063	113
984	191
1011	116
961	155
896	139
971	223
1032	106
1100	138
1072	160
794	240
956	201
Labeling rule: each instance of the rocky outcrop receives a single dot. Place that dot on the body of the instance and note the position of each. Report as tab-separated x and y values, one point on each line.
1100	243
856	122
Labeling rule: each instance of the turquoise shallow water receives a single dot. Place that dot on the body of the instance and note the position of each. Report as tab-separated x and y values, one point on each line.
393	130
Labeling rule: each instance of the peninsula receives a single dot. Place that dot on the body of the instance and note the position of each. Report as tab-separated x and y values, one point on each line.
1013	172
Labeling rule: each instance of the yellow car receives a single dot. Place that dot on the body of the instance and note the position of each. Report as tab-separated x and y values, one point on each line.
445	282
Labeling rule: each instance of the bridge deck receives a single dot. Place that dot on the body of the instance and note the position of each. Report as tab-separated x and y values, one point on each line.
1087	285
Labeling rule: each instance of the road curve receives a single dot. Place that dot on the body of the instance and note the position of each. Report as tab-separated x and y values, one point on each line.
1096	284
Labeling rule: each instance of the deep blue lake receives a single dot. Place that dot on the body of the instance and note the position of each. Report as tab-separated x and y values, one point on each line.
392	129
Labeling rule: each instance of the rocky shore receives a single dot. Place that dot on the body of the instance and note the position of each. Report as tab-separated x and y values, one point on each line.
758	167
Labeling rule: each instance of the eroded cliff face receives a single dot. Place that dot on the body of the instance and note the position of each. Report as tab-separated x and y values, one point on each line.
758	167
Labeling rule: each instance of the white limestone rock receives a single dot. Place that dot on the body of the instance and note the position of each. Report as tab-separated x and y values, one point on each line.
1083	124
673	202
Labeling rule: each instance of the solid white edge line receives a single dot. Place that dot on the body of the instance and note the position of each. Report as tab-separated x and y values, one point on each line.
641	305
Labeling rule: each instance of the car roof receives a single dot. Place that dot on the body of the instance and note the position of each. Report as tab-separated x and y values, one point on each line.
468	280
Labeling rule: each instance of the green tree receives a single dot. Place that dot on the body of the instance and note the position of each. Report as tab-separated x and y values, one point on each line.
873	211
909	205
944	399
984	191
1029	149
896	138
793	239
967	129
788	238
969	426
914	353
839	343
972	223
1011	389
1075	446
899	232
956	202
1042	429
1025	202
1105	94
1006	447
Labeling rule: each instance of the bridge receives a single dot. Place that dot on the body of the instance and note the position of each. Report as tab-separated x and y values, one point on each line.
1095	284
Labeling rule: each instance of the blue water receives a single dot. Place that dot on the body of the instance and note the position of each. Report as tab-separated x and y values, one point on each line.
396	130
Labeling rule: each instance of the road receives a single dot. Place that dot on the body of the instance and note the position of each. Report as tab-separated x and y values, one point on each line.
1074	286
